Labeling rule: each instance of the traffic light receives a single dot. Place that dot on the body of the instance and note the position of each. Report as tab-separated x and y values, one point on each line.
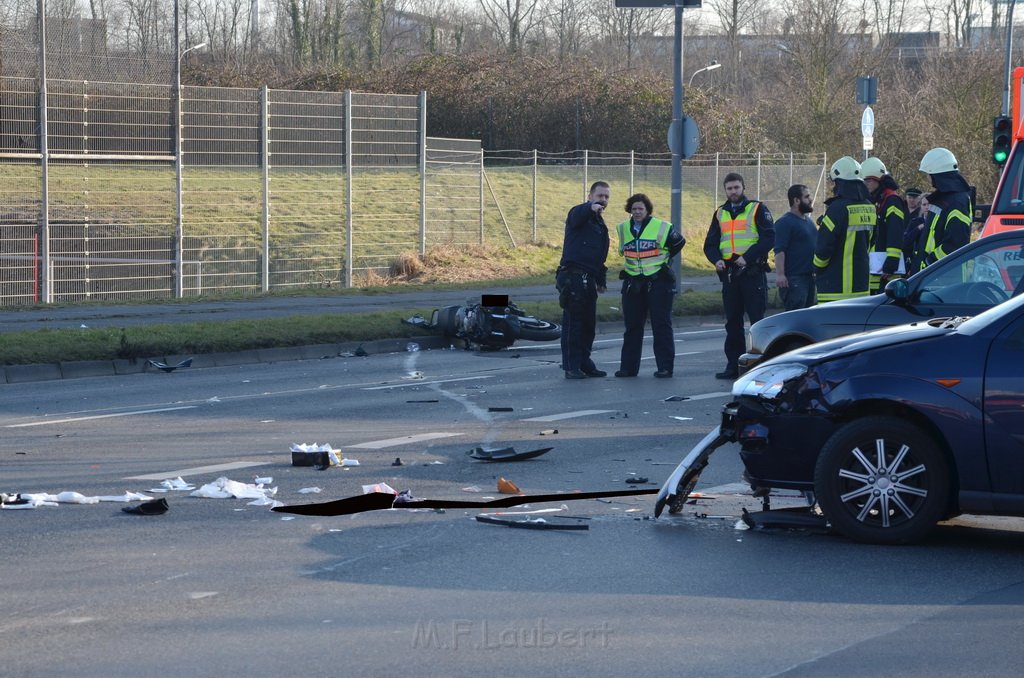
1002	139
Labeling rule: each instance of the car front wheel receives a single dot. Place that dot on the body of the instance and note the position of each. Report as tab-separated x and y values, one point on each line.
882	480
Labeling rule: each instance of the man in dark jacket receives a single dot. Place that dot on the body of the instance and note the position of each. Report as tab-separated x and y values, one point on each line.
841	252
741	235
950	208
581	276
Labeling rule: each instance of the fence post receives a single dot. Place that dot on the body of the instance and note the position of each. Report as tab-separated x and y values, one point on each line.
586	170
716	178
422	148
348	188
265	162
632	165
791	168
44	264
481	196
759	175
534	240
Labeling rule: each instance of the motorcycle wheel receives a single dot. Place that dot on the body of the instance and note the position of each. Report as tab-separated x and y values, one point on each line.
536	330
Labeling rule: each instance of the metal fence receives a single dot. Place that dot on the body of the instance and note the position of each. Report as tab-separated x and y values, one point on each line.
271	189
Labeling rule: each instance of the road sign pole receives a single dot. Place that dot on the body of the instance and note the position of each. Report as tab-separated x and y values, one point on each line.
677	123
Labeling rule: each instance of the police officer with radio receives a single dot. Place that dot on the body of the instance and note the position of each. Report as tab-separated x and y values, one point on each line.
648	245
580	277
739	239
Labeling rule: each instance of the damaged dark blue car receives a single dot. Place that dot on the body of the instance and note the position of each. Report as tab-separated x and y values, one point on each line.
892	431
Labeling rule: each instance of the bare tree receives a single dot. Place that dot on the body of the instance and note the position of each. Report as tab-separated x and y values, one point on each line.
960	18
567	22
625	29
513	21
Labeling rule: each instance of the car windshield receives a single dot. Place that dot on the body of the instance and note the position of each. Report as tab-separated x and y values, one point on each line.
1011	195
1014	307
984	276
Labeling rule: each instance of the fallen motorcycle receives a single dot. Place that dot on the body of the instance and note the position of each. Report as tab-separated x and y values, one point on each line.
493	324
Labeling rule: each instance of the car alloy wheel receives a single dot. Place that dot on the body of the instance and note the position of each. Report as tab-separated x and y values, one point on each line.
882	480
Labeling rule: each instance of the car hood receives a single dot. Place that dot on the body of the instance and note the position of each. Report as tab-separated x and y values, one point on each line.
867	341
844	312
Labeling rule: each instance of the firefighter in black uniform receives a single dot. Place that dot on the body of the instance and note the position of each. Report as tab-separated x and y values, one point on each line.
841	251
580	277
950	208
890	223
741	235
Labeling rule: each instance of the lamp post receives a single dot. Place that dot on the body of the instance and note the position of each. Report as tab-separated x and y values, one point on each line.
710	67
179	231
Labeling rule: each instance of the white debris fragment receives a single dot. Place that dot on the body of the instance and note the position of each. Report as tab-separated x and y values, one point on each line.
310	490
266	480
223	488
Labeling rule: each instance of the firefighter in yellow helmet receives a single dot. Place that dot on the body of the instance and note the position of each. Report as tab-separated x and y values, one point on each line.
947	225
891	221
841	251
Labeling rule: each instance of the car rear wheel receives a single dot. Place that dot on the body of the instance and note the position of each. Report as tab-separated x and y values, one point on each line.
882	480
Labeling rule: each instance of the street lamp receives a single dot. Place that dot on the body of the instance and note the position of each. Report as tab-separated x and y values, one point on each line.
179	230
710	67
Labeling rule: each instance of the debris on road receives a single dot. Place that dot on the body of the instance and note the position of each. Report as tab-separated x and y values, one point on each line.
500	409
377	501
175	484
379	488
556	522
549	432
505	454
636	480
170	368
223	488
676	399
397	462
507	487
149	508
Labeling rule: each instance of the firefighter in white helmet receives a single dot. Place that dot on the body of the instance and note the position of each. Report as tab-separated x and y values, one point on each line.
887	238
841	251
947	225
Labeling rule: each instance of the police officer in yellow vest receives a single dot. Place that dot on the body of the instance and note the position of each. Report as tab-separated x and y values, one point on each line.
648	244
741	235
841	252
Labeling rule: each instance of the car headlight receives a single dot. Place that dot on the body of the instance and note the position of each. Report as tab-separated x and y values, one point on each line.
767	381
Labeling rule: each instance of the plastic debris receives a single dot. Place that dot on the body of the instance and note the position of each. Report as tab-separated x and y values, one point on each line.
266	480
554	523
404	496
683	418
500	409
505	454
176	484
636	480
507	487
549	432
412	347
223	488
397	462
379	487
316	455
170	368
149	508
676	399
310	490
472	488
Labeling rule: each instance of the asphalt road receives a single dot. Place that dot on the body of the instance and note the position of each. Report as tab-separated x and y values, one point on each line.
219	586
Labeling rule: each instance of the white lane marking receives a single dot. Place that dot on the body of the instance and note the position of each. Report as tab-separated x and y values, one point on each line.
706	396
404	440
568	415
100	416
424	383
197	470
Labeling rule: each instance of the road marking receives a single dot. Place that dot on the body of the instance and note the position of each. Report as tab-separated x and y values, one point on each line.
424	383
568	415
99	416
706	396
198	470
404	440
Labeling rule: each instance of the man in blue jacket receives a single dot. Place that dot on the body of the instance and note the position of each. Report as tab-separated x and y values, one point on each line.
581	276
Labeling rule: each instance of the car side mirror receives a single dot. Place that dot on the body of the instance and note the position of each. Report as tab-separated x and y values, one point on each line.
898	290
